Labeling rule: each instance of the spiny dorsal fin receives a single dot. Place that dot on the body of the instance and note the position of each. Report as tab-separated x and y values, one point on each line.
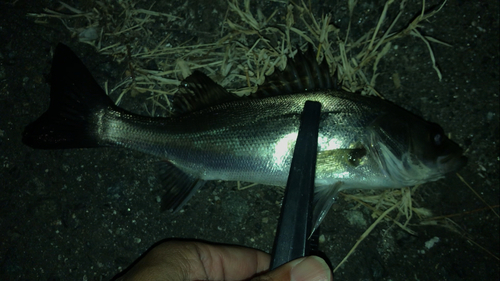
197	92
301	74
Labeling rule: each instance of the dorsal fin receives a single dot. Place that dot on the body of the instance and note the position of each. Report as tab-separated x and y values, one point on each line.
197	92
301	74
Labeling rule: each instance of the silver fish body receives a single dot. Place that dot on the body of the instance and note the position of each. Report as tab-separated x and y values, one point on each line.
252	140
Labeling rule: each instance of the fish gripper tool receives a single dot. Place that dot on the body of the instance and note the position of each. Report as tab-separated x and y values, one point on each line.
293	236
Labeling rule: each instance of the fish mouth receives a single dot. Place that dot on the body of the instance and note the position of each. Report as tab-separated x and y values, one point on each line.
452	162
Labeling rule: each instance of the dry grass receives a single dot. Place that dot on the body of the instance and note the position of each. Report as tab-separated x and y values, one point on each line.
125	32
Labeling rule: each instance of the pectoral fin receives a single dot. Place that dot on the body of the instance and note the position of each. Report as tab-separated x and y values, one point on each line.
180	186
323	200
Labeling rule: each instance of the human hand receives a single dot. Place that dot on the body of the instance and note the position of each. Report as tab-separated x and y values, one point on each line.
190	260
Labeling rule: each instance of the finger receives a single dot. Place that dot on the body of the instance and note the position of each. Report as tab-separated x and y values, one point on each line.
166	261
310	268
186	260
222	262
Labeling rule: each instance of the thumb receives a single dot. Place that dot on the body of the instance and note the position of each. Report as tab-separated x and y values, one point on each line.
310	268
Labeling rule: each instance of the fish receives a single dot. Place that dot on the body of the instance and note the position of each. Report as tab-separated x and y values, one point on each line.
364	142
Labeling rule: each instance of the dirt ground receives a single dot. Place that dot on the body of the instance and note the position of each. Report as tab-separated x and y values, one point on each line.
86	214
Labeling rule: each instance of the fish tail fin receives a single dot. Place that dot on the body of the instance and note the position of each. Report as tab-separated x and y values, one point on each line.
72	119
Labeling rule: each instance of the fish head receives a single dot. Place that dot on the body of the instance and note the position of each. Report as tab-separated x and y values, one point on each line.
430	145
413	151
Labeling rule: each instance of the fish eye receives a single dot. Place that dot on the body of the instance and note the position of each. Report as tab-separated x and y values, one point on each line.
438	139
436	135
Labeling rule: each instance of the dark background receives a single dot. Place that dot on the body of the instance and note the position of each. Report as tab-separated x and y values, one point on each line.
86	214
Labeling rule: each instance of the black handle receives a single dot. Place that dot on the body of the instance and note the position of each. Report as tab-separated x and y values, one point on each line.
295	222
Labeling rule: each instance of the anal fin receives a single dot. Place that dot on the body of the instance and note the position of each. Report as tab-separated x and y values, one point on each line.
180	186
